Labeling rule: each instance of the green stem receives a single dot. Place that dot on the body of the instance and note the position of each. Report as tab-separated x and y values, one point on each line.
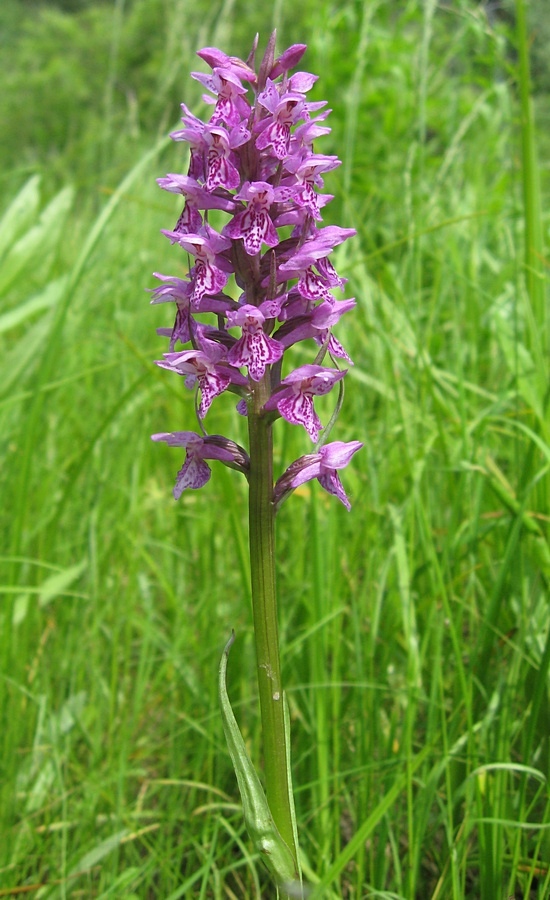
264	606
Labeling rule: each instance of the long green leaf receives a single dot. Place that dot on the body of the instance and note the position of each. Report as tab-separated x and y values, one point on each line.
259	821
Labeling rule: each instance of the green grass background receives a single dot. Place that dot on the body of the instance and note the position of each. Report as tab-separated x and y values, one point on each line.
415	636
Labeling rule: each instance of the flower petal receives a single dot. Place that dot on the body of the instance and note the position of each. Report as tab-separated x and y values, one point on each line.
298	409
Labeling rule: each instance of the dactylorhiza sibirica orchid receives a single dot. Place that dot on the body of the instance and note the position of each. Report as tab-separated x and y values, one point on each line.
267	281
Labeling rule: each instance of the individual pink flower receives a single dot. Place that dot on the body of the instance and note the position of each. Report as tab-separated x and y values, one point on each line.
314	253
196	198
254	224
255	349
221	170
179	291
210	272
295	401
303	135
193	134
323	466
315	323
204	367
285	111
195	472
308	174
286	106
231	107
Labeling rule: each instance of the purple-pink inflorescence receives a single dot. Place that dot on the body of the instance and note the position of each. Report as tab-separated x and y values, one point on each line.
254	161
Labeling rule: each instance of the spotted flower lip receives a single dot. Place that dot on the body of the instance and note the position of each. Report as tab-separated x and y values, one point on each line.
254	224
255	349
323	466
221	171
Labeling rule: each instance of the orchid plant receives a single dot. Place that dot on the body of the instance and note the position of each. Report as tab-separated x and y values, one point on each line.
267	281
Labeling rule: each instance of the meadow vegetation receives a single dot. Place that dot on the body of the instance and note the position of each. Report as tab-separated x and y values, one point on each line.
415	629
